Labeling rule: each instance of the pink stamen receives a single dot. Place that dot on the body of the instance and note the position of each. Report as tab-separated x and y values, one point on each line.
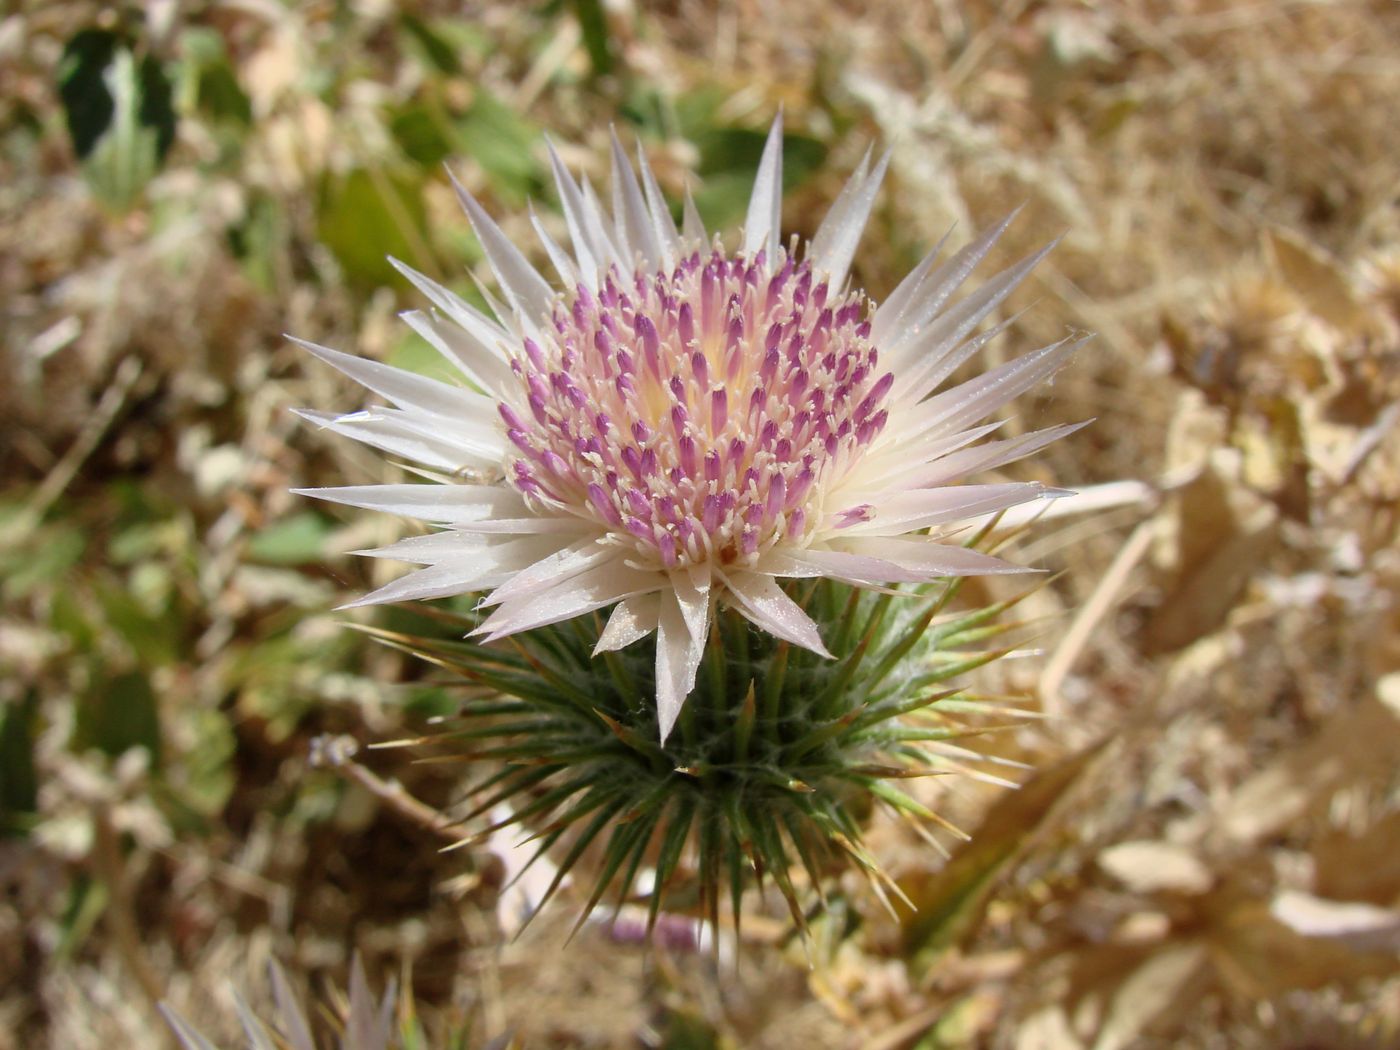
629	396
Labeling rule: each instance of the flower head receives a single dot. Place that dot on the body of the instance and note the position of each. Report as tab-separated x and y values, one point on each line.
677	428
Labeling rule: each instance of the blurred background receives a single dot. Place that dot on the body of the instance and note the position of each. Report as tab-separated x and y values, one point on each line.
1205	848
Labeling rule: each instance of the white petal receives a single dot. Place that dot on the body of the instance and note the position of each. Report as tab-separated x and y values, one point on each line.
399	386
761	227
445	504
558	258
978	398
400	435
632	620
1095	499
600	226
990	456
835	215
870	561
591	257
925	351
928	558
665	226
678	654
922	377
889	317
259	1038
482	366
692	226
834	245
529	293
630	215
474	571
579	594
761	600
692	587
549	572
812	563
888	463
534	525
905	312
908	511
429	549
476	431
483	329
190	1038
518	323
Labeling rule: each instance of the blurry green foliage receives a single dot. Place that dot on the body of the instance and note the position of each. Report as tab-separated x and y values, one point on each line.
369	214
729	157
120	116
153	629
427	702
19	785
413	352
422	133
594	25
66	618
686	1029
261	241
440	42
208	84
207	771
87	900
116	714
296	540
489	133
725	151
37	557
435	49
503	142
274	677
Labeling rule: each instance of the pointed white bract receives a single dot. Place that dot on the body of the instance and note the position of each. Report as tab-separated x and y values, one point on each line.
676	428
761	228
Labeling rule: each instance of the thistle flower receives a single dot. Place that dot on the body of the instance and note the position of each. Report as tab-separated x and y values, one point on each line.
751	470
680	428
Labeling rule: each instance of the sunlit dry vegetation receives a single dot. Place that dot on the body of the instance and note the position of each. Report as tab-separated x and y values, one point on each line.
1204	847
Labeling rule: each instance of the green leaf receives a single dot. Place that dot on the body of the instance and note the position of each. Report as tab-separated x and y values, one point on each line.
421	135
296	540
208	83
594	24
155	636
685	1029
729	160
119	115
40	559
261	242
722	199
503	143
369	214
19	784
118	714
207	767
431	44
87	900
87	102
414	353
68	618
